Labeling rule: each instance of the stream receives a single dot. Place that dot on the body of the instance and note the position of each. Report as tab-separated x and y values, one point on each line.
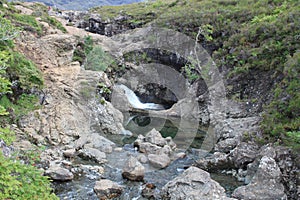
82	185
140	123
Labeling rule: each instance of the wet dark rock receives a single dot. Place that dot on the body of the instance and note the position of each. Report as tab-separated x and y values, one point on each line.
106	189
111	27
133	170
149	191
155	93
194	183
226	145
69	153
217	161
95	24
244	154
159	161
59	174
266	184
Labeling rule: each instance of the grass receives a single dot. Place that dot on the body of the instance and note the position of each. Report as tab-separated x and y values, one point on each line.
281	120
25	104
29	22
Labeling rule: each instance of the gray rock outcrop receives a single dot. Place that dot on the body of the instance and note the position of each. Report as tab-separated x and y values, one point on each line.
265	185
244	154
194	184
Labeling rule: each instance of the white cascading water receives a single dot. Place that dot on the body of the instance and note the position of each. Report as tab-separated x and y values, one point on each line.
136	103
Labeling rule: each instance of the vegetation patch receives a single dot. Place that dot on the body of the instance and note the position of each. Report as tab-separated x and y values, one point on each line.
21	181
282	116
91	56
20	80
29	22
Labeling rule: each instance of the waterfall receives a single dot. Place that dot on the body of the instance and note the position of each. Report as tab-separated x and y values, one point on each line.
135	101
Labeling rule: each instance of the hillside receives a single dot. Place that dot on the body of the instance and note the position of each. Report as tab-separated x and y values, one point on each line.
255	45
79	5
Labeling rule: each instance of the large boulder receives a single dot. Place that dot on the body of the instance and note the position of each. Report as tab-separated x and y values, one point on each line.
217	161
289	168
287	164
109	119
159	161
106	189
195	184
59	174
133	170
265	185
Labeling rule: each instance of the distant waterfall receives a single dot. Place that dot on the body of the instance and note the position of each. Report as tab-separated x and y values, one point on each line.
136	103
